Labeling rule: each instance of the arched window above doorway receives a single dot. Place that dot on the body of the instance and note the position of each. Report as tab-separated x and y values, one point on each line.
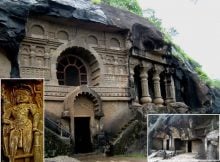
71	71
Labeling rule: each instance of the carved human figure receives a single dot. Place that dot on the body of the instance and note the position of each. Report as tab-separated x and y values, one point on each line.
20	122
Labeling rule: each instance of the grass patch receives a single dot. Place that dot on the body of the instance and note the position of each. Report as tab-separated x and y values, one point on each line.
96	1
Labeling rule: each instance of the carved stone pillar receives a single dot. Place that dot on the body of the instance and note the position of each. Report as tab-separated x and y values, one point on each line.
144	85
170	88
157	92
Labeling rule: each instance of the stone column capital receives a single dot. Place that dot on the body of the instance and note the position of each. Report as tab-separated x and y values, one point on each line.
169	70
157	69
143	73
146	65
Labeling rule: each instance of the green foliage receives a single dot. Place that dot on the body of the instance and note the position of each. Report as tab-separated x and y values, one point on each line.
216	83
203	76
184	57
130	5
96	1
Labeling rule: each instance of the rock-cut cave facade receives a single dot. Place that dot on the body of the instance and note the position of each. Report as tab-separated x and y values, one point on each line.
93	75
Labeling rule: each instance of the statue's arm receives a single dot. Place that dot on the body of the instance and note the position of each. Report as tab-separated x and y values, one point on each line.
36	116
6	116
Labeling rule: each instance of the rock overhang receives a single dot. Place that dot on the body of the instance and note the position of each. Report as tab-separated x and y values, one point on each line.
15	14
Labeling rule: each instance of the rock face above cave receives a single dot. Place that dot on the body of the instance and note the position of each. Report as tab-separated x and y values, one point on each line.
15	13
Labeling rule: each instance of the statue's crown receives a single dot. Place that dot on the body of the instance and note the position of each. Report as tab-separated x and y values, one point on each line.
22	90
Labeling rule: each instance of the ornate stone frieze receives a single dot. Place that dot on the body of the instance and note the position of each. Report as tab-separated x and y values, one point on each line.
154	56
35	57
110	52
62	91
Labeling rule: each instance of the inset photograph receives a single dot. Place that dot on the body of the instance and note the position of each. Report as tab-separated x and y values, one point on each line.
183	138
22	120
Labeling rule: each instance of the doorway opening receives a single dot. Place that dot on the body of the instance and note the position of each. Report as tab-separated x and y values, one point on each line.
189	146
137	83
83	142
167	146
179	144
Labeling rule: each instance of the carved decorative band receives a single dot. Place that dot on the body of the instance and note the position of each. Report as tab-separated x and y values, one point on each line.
62	91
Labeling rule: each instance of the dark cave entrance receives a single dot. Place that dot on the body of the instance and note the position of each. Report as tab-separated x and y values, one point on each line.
179	144
137	82
167	147
189	146
83	142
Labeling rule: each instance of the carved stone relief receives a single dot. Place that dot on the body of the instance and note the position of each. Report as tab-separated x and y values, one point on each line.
34	62
63	35
37	30
115	43
37	52
22	120
92	40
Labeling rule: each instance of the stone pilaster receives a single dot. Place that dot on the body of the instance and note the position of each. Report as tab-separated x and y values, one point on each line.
172	143
33	57
144	85
170	88
133	87
53	71
157	91
47	58
205	141
187	146
164	144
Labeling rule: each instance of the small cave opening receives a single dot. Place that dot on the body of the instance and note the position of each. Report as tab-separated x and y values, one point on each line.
167	144
189	146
